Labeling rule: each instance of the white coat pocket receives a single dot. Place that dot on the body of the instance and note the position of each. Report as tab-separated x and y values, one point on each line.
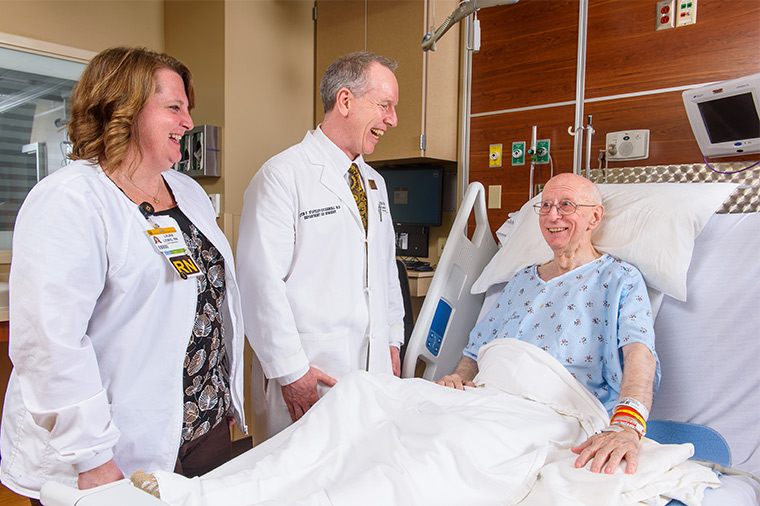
329	352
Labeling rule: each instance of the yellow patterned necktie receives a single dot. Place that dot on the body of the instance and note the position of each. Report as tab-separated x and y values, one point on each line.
358	192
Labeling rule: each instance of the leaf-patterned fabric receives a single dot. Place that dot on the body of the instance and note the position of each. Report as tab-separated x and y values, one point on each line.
206	375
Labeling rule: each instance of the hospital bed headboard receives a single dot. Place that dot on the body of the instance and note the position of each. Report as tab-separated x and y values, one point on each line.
461	263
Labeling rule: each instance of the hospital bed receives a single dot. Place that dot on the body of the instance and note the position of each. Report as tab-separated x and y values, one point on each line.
708	344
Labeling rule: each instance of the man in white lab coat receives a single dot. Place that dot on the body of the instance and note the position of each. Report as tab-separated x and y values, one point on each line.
318	277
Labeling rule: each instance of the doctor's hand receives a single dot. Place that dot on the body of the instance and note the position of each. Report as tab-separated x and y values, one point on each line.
302	393
396	361
455	381
105	473
609	448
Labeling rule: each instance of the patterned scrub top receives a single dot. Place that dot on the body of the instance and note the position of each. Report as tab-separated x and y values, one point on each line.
206	368
582	318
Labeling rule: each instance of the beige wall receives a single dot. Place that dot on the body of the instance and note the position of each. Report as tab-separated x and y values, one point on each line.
269	70
253	63
194	34
93	25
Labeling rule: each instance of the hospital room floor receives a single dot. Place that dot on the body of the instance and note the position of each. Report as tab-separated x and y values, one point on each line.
8	498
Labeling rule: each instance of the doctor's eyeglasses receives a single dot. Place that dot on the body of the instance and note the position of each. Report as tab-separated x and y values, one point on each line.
564	207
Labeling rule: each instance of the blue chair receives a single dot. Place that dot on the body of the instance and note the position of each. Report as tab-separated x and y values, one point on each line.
709	445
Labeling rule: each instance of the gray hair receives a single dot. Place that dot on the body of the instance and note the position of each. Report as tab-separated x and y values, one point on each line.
352	72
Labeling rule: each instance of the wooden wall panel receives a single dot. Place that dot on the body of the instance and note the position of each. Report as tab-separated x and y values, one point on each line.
507	128
670	138
625	54
527	55
528	58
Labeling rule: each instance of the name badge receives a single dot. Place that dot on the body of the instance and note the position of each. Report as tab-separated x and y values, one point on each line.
372	184
167	239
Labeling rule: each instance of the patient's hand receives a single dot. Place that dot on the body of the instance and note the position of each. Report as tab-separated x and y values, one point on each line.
105	473
455	381
302	393
609	448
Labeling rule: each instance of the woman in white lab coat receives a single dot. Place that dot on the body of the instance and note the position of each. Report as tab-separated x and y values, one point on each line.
127	352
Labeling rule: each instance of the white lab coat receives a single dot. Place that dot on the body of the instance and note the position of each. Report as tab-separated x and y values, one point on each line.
99	328
310	295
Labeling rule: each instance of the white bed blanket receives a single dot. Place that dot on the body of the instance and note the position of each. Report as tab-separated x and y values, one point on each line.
380	440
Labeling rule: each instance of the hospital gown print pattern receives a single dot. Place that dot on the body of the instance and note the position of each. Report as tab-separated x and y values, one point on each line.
207	397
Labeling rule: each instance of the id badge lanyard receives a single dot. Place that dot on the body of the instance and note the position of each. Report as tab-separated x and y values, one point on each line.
166	236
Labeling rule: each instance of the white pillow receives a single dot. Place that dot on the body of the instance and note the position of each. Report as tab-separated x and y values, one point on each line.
649	225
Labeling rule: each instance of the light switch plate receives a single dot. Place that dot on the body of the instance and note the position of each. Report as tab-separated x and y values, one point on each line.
686	12
494	196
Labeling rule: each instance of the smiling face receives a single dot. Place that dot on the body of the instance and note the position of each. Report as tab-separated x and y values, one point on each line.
368	116
162	122
569	234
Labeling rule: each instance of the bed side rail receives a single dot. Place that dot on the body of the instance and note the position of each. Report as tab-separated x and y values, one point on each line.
450	311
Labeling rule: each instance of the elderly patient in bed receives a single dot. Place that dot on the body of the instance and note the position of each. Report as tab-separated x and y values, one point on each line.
376	440
583	308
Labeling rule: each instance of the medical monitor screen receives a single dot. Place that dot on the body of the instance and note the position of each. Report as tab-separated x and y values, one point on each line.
415	195
725	116
730	118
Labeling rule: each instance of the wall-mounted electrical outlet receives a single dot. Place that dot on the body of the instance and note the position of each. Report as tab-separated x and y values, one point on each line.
665	16
518	153
542	151
494	155
686	12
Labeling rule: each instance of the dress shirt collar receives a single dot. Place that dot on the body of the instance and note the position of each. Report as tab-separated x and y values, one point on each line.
336	155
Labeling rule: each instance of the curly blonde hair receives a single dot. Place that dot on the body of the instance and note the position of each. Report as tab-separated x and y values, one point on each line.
109	95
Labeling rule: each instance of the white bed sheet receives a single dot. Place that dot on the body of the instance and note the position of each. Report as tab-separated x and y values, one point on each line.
708	347
379	440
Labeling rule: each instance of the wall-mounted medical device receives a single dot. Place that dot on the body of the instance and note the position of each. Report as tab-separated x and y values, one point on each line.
201	153
725	117
628	145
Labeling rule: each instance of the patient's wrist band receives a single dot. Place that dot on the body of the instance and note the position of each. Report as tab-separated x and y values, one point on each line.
630	402
629	422
637	428
630	412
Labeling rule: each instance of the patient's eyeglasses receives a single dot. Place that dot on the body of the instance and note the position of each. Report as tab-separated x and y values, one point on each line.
564	207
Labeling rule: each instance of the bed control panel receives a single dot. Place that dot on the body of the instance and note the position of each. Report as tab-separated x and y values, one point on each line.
438	327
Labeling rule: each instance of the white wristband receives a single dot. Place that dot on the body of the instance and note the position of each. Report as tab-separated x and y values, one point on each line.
630	402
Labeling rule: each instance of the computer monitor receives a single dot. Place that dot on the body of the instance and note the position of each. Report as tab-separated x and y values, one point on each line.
725	117
415	195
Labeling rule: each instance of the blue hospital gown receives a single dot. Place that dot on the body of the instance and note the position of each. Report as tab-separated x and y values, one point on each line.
582	318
